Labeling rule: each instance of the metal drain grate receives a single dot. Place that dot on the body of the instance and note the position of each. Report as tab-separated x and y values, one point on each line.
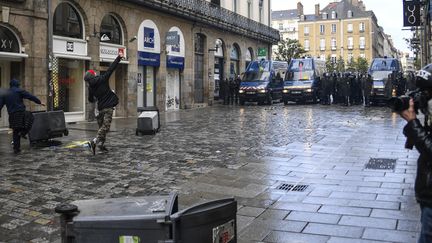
381	164
291	187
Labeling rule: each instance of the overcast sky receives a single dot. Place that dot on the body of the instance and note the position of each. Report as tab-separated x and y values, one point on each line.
388	12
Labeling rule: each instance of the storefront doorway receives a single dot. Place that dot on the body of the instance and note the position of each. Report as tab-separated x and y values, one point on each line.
4	84
173	89
148	63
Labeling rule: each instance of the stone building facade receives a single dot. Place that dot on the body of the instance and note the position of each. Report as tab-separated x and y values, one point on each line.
342	29
175	52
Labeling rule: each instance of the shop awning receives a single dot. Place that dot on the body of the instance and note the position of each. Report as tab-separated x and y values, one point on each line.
68	56
13	55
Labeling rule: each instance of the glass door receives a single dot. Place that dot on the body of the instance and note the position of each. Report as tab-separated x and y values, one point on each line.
149	85
4	84
172	89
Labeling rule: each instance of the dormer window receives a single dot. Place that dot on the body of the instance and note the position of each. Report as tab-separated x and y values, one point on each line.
333	15
324	15
350	14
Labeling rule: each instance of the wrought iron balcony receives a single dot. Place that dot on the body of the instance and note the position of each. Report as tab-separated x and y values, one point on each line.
206	12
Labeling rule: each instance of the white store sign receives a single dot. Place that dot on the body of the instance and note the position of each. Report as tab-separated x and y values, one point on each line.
69	46
109	52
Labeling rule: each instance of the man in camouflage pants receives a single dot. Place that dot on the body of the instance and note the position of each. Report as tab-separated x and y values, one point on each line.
100	90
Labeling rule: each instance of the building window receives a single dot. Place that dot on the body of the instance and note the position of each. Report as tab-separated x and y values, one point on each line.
306	30
306	45
217	2
350	57
333	28
324	15
261	10
280	26
322	44
333	15
362	27
67	22
333	44
322	29
362	41
249	6
350	14
350	28
350	43
110	31
323	57
333	58
362	55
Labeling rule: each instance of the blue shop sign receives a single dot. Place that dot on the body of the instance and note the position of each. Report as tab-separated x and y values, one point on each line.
175	62
148	59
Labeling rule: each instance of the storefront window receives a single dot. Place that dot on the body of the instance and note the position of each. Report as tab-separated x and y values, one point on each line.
234	65
111	31
67	22
70	97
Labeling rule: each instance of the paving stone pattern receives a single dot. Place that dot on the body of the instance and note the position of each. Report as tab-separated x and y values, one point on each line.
224	151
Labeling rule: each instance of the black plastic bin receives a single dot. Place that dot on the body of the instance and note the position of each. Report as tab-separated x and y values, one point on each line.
135	219
146	121
213	222
48	125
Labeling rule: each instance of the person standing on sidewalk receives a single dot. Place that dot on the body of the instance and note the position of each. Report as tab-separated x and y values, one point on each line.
419	135
20	120
99	89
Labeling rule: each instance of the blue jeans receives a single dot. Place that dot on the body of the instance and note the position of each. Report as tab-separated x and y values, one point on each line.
426	228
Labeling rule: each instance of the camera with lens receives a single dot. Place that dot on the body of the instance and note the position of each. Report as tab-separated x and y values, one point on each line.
401	103
420	96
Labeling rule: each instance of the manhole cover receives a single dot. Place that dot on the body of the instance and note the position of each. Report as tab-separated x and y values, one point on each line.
381	164
291	187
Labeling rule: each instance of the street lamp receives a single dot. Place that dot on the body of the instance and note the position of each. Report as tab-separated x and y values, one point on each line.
218	44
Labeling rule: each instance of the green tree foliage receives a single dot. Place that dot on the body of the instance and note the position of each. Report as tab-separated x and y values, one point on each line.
362	65
351	65
340	64
288	49
330	66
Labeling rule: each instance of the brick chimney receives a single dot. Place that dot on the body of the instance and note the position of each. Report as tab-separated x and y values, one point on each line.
317	9
299	8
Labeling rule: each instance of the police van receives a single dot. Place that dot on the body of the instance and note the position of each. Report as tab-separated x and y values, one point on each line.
384	74
302	80
262	82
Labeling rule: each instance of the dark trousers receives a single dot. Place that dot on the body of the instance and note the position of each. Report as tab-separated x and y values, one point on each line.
16	136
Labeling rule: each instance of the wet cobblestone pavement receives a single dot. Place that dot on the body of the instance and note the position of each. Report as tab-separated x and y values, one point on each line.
224	151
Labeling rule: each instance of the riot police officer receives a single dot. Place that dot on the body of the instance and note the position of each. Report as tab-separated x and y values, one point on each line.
367	83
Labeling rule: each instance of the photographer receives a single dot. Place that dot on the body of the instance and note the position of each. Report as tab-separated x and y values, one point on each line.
420	136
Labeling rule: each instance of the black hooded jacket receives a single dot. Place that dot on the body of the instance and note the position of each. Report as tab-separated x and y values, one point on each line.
13	98
99	88
423	143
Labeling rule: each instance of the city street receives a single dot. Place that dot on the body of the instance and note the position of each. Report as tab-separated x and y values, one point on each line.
222	151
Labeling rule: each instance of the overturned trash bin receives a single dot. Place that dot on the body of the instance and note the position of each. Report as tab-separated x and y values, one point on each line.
134	220
213	222
148	120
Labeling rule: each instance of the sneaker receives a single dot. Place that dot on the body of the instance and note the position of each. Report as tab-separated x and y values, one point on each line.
92	146
102	148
